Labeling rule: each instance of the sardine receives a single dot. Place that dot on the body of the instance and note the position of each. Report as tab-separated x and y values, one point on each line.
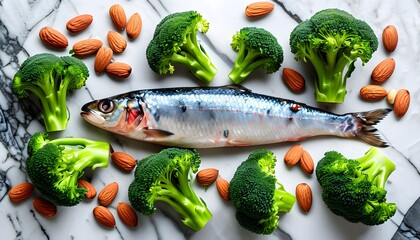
206	117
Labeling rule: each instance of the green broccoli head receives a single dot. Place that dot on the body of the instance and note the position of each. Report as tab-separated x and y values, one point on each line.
175	41
332	40
257	195
167	177
354	189
49	78
54	166
257	48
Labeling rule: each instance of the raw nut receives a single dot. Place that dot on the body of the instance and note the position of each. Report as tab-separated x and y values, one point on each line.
401	103
390	38
91	191
293	155
304	196
123	160
119	69
53	38
223	188
307	163
383	71
293	80
390	97
104	216
86	47
373	92
44	207
103	59
79	23
127	214
21	192
108	194
207	176
134	26
118	17
258	9
116	41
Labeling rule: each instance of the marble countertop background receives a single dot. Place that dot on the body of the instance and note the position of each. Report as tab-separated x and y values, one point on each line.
20	22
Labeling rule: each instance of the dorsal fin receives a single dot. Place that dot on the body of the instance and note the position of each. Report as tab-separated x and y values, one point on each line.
237	87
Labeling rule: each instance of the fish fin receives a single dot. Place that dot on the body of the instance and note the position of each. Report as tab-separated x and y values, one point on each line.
236	143
157	133
237	87
368	133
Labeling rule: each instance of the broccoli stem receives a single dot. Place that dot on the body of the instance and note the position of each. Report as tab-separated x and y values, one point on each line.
246	61
283	201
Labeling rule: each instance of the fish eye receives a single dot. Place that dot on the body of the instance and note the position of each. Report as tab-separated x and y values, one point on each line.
106	105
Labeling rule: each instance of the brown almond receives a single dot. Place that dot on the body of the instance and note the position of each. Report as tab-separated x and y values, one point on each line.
373	92
207	176
307	163
44	207
86	47
293	155
119	69
304	196
134	26
383	71
401	102
104	216
258	9
127	214
123	160
21	192
118	17
293	80
116	41
53	38
222	186
91	191
390	38
108	194
103	59
79	23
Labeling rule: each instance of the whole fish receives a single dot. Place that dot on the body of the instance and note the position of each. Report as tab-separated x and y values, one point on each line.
206	117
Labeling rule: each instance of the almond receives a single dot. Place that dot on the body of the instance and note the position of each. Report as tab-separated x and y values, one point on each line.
118	17
383	71
119	69
91	191
304	196
86	47
258	9
134	26
293	80
108	194
401	103
207	176
116	41
390	97
103	59
79	23
307	163
53	38
123	160
373	92
293	155
390	38
127	214
104	216
21	192
44	207
223	188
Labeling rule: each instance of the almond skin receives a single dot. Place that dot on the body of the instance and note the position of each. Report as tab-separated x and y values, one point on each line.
390	38
104	216
258	9
53	38
127	214
207	176
103	59
307	163
119	69
134	26
383	71
86	47
401	103
118	16
293	80
44	207
373	92
116	41
123	160
79	23
293	155
108	194
91	191
222	186
304	196
21	192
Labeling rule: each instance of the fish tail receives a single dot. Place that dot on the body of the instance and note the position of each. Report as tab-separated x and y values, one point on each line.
368	132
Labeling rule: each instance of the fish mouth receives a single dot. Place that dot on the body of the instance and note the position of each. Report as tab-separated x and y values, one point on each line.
90	115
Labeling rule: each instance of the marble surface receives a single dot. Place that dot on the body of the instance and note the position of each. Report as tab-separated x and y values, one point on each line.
20	22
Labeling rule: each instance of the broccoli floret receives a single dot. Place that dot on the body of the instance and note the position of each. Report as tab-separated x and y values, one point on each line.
354	189
257	195
332	40
167	177
175	41
54	166
49	78
257	48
